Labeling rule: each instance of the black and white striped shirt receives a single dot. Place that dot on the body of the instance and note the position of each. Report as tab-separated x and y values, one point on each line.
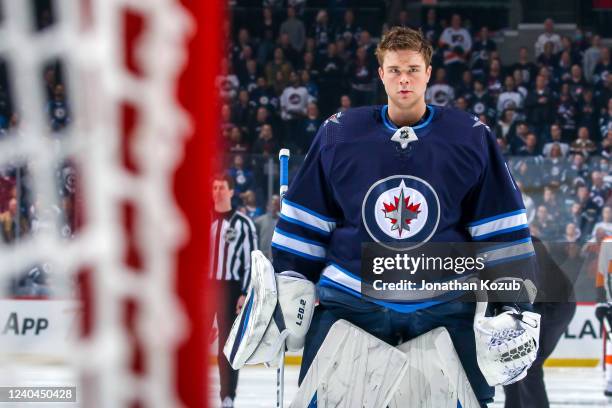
233	237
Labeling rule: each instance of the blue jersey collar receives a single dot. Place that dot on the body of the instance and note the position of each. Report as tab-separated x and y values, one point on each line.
420	125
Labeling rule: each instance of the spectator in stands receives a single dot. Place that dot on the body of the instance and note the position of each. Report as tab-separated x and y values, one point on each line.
322	32
242	111
294	103
242	177
480	102
539	105
266	223
600	190
552	203
460	103
521	87
510	98
578	218
331	69
249	79
278	70
291	55
576	82
517	135
308	128
566	113
572	233
267	26
227	83
561	71
494	79
431	29
603	67
481	52
547	58
504	123
348	30
548	36
439	92
554	168
586	113
261	118
530	148
264	96
555	137
591	58
589	208
236	143
606	221
456	42
606	145
266	144
311	86
528	69
248	205
361	75
545	225
294	28
583	144
605	122
579	170
345	103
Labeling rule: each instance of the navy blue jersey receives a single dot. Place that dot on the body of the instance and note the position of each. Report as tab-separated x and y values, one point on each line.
450	182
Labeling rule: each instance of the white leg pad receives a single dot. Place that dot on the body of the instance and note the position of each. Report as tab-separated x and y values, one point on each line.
435	377
352	369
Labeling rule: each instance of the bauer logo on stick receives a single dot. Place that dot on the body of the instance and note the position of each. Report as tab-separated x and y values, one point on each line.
401	209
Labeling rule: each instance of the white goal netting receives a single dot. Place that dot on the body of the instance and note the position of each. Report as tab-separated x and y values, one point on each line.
65	151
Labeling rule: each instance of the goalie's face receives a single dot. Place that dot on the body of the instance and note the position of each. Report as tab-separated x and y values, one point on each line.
405	74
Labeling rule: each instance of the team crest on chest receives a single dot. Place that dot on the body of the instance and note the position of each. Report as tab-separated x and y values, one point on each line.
402	211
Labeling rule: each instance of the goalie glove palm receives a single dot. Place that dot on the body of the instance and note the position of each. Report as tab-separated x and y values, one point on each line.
506	345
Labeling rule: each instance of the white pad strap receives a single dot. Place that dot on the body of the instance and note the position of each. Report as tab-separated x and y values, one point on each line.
290	321
435	377
351	369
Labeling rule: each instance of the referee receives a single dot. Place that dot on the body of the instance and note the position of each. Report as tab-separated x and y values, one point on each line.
233	237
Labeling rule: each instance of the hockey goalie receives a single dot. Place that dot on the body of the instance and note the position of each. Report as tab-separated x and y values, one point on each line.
451	184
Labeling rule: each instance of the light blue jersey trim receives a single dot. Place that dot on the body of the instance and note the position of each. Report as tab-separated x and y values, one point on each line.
496	217
389	125
298	253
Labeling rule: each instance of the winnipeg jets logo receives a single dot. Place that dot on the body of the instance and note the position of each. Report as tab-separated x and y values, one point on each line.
401	212
404	136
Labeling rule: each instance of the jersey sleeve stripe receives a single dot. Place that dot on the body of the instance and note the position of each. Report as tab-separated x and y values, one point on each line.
299	245
496	217
305	215
339	275
297	252
299	238
508	252
499	225
502	231
305	225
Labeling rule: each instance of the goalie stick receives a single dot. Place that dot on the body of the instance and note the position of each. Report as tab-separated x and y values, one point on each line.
283	158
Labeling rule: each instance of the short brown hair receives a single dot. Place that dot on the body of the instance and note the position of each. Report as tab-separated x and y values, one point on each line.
224	177
403	38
